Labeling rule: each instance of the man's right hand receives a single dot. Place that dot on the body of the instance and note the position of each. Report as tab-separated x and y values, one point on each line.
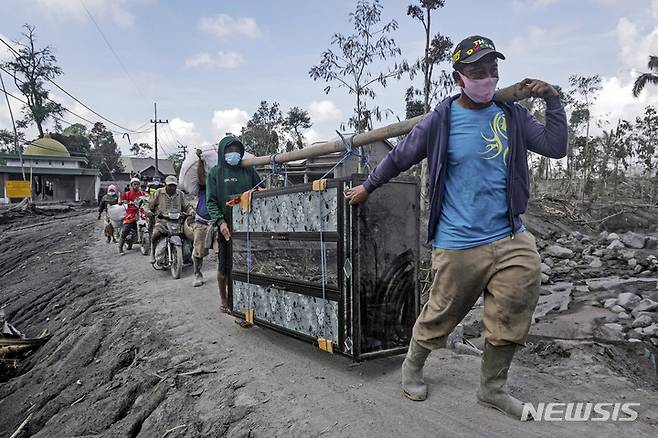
223	229
357	195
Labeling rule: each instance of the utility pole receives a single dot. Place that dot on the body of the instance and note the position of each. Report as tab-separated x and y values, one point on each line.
155	122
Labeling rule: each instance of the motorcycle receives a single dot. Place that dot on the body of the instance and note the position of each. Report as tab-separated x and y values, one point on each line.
173	248
143	235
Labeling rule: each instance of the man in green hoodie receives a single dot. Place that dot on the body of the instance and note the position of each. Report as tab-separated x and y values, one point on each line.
227	178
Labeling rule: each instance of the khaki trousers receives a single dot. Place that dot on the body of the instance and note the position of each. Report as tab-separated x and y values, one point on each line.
507	271
199	245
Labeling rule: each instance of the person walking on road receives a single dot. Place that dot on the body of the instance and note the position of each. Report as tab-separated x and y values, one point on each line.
227	178
476	150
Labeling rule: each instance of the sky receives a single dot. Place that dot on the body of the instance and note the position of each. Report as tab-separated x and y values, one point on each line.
208	64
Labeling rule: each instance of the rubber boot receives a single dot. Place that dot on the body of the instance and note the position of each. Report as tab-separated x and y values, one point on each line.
495	365
413	384
198	276
152	257
121	246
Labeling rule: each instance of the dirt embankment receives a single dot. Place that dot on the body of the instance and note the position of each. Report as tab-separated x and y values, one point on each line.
103	372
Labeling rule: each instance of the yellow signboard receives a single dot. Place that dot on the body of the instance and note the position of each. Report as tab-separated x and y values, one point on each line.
18	189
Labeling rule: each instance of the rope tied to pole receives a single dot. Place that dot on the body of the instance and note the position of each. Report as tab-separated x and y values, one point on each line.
349	151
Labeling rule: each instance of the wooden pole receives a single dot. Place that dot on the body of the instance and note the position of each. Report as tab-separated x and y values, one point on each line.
337	145
508	94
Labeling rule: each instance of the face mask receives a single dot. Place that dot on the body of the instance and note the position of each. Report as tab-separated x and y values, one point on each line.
232	158
112	193
479	90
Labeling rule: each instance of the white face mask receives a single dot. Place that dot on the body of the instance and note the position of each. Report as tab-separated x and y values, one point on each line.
112	193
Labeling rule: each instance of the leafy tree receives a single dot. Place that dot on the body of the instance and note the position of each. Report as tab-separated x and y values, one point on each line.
296	120
75	138
413	107
105	154
75	129
351	65
31	68
437	50
7	141
650	77
262	134
140	149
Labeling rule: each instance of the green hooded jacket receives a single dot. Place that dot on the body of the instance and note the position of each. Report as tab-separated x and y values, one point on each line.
224	180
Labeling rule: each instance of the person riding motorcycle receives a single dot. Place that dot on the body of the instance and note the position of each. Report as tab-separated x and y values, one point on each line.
110	198
162	202
132	199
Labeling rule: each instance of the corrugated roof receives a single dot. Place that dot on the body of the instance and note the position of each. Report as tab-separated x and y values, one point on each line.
139	165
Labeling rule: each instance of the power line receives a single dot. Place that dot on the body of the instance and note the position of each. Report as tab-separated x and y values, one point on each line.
70	111
70	95
125	70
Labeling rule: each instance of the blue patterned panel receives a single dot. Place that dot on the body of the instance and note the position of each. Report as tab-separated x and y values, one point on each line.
303	314
290	213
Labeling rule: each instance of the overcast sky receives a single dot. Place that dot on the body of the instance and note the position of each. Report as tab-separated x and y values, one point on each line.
208	64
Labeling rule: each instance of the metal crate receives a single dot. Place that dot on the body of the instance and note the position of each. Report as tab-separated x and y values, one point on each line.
371	295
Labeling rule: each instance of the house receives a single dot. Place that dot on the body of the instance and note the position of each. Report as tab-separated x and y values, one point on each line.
55	175
144	168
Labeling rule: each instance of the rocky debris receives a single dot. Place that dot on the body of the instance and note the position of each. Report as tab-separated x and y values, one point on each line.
612	331
559	252
646	305
595	263
651	331
641	325
633	240
576	256
615	244
642	321
628	300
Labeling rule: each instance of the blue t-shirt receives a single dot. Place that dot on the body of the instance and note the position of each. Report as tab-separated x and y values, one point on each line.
474	209
201	208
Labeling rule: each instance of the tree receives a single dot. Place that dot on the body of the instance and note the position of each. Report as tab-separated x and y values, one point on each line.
105	154
296	120
75	138
650	77
263	131
647	138
350	66
7	141
140	149
31	68
583	92
618	144
437	50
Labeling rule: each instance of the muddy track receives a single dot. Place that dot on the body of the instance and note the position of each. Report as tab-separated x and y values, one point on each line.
98	373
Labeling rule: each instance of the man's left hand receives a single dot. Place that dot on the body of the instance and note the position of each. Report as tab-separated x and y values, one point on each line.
539	88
